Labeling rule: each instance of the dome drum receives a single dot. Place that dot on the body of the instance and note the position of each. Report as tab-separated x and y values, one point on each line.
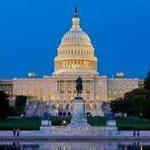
76	64
78	50
58	58
78	72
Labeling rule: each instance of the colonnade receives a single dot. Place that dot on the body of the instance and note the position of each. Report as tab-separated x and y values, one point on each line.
75	64
64	86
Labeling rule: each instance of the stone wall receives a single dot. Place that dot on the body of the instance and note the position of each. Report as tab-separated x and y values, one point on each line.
86	131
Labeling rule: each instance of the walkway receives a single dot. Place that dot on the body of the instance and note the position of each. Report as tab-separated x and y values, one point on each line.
39	135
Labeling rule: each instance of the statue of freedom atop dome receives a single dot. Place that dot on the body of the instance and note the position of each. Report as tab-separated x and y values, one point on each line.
79	86
75	12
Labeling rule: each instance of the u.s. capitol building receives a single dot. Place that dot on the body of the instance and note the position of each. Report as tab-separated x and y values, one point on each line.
75	58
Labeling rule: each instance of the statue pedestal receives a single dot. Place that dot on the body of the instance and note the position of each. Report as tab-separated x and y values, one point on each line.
111	123
79	125
112	127
45	124
78	119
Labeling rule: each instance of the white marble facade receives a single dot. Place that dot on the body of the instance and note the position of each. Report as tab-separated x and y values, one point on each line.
60	90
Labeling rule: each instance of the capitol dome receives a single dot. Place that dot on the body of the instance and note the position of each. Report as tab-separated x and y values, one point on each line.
76	37
75	52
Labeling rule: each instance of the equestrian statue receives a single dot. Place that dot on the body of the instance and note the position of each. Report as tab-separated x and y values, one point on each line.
79	86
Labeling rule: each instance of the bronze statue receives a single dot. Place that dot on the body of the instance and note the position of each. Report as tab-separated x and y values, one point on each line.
76	12
79	86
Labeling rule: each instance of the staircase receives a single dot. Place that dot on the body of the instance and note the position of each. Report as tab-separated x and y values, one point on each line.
36	109
30	109
41	109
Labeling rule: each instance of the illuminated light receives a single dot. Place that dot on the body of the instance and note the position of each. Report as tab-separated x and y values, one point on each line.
64	122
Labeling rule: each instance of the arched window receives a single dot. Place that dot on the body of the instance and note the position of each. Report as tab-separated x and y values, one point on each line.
54	106
88	106
94	106
67	106
60	107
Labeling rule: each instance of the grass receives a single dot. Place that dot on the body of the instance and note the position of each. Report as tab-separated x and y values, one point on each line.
59	122
22	124
97	121
122	124
128	124
34	123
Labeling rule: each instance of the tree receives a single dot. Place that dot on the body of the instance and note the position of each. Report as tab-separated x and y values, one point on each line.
147	82
147	86
135	102
4	105
20	104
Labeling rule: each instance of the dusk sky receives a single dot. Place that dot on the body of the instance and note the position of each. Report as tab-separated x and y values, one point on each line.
31	31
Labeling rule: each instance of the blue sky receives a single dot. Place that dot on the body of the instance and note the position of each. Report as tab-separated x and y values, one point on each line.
31	30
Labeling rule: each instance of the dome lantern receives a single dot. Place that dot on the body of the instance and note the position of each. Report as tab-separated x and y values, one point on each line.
75	21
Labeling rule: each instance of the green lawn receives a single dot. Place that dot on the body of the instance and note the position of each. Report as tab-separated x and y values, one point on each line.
22	124
124	124
58	122
97	121
34	124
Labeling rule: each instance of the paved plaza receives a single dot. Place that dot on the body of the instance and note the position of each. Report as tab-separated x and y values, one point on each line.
39	135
